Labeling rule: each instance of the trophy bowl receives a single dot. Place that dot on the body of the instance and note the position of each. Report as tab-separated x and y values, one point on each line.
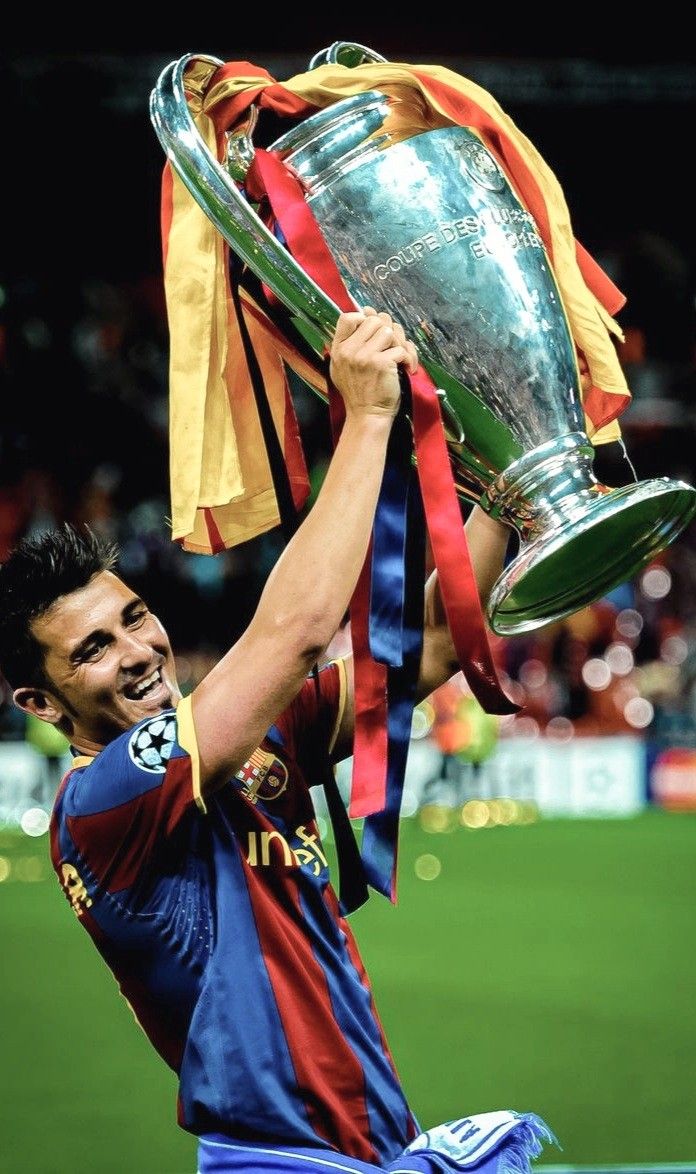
425	224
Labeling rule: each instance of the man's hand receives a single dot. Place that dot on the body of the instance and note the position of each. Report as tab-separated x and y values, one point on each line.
368	349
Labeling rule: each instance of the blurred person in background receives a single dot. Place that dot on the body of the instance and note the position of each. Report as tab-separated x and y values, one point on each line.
185	838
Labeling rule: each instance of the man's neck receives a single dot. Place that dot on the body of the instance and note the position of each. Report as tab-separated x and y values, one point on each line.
82	747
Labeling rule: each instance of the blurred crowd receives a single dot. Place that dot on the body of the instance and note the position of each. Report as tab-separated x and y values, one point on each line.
84	437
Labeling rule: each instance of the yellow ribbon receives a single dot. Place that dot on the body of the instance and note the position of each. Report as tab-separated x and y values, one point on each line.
217	456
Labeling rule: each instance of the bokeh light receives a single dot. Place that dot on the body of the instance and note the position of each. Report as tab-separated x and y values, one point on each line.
474	814
528	813
560	729
674	650
436	819
508	810
639	712
533	674
656	583
620	658
596	673
427	867
29	868
524	727
629	624
35	821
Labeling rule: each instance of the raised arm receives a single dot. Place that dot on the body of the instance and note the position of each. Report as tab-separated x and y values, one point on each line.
310	587
488	541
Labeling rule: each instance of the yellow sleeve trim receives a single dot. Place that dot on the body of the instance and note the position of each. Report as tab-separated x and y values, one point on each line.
342	695
187	740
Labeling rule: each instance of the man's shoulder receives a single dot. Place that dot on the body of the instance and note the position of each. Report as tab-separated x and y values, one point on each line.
133	763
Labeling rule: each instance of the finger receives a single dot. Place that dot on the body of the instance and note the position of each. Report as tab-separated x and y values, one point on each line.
410	354
383	315
411	360
377	330
408	350
392	355
401	359
347	324
399	333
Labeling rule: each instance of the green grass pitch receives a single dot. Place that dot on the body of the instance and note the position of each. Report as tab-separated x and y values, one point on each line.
547	968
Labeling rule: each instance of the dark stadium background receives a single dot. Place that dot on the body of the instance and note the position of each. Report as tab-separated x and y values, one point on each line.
547	967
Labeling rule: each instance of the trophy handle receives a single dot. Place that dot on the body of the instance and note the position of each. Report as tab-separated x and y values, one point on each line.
240	147
345	53
216	192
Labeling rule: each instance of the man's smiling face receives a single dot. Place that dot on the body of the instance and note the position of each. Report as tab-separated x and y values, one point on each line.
108	661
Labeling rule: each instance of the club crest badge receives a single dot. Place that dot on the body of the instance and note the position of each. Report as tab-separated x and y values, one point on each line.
263	777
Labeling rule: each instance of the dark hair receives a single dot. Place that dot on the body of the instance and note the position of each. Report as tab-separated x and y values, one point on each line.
39	570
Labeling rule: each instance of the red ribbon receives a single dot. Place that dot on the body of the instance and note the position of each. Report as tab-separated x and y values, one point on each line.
308	247
451	551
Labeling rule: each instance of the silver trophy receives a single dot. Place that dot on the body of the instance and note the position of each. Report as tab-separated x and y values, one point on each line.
428	227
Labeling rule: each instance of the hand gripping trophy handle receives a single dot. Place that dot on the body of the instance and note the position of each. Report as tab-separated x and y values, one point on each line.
422	222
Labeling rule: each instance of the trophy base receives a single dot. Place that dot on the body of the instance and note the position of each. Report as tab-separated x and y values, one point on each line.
568	568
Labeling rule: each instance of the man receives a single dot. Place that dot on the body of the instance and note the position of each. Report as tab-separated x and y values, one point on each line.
184	836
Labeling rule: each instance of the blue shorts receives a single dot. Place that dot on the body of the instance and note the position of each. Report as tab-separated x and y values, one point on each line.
219	1155
490	1143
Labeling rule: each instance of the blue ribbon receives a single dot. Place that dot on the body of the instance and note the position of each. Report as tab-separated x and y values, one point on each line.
396	636
388	572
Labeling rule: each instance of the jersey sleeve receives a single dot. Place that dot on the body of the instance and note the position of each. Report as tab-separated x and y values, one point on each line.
133	797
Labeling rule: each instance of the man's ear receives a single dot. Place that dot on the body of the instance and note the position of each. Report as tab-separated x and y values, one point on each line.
39	704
